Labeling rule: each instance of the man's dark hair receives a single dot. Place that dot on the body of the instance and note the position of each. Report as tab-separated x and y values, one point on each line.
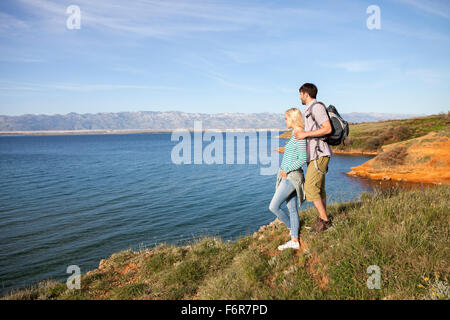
310	89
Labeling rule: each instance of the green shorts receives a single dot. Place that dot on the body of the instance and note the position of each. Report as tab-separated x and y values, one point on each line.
315	181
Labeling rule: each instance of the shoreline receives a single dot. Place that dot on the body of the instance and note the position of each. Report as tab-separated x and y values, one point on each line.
356	152
185	273
122	131
396	177
425	159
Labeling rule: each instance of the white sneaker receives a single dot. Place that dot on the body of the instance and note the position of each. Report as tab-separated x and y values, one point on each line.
289	245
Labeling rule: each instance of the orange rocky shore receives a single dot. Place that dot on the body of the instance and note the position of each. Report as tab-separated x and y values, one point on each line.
426	159
356	152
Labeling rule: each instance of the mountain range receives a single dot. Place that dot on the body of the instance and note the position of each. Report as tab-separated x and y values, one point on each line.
169	120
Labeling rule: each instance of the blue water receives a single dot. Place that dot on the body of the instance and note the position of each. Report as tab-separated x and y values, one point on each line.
73	200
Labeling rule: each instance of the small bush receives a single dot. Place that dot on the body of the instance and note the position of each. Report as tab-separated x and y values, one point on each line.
401	133
373	143
388	135
348	141
394	156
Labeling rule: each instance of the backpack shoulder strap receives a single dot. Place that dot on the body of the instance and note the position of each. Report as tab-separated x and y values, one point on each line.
311	113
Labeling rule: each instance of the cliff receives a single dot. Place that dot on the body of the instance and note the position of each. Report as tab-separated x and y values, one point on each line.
404	233
424	159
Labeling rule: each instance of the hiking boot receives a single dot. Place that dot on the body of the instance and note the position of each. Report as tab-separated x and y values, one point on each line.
289	245
322	225
317	225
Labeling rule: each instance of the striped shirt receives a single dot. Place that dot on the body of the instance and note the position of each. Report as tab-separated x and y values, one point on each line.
294	155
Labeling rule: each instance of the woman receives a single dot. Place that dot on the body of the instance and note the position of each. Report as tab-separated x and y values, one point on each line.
290	179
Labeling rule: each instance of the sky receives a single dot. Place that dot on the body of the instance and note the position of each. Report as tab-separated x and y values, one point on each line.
223	56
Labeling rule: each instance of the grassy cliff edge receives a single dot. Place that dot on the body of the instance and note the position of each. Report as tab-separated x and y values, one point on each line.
405	233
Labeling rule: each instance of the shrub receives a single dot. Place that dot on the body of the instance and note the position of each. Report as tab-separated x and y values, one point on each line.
401	133
393	156
387	135
348	140
373	143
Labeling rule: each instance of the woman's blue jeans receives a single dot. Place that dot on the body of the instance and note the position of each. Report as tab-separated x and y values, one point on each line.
286	192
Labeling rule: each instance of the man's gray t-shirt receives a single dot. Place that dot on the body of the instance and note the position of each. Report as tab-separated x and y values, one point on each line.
316	147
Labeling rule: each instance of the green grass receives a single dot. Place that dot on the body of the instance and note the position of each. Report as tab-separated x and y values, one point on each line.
405	233
370	136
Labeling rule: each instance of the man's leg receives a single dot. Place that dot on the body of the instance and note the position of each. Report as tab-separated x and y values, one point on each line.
315	186
321	206
323	195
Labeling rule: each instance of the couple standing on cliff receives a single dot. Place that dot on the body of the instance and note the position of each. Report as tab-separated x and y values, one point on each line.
304	147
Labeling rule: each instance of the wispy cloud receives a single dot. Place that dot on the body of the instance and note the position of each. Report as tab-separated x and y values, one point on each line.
10	24
412	31
211	70
129	69
440	8
357	65
162	19
21	60
229	83
149	18
8	86
427	75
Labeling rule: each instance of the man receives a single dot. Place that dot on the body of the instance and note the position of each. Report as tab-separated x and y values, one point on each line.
318	153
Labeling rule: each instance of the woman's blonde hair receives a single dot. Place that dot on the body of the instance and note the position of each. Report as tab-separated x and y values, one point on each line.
296	116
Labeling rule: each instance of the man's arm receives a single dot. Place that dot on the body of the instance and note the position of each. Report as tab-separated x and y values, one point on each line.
323	131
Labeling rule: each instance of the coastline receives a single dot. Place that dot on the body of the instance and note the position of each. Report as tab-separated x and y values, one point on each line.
425	159
123	131
251	267
356	152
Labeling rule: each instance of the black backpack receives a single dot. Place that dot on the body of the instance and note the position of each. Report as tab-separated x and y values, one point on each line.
340	128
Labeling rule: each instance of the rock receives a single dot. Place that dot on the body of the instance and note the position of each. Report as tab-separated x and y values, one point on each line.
101	265
130	267
292	269
275	222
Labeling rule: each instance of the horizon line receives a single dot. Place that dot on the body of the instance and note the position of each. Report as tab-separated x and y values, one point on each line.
204	113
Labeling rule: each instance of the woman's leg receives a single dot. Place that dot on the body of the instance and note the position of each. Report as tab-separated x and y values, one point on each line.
292	205
284	190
